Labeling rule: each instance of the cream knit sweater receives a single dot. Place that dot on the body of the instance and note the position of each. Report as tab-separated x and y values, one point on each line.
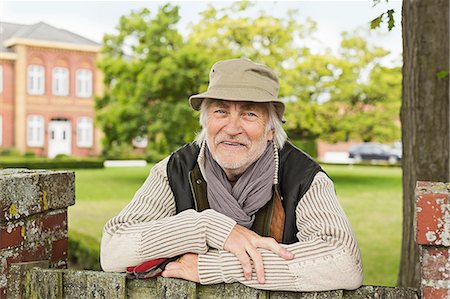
326	256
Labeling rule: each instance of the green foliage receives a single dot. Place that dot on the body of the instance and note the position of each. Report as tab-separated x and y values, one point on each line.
229	33
45	163
150	72
376	23
29	154
442	74
84	251
337	103
308	146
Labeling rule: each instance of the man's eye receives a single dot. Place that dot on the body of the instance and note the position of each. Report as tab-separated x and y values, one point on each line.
219	111
250	114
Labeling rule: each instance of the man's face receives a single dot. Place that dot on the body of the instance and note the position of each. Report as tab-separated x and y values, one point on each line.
237	134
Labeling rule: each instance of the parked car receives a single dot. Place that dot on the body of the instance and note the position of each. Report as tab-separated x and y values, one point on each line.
374	151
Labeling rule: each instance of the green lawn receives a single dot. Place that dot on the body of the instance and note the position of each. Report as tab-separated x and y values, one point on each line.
371	197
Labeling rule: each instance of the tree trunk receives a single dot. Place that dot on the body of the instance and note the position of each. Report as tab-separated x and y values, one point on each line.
425	114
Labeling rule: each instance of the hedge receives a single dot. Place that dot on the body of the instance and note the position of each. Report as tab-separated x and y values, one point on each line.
50	163
84	251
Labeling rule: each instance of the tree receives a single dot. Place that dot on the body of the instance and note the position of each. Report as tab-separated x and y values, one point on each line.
347	96
307	78
425	113
149	72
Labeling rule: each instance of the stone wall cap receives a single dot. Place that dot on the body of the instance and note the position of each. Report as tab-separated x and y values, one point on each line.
25	192
433	187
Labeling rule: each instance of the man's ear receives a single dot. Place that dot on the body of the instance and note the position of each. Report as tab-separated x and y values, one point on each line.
270	135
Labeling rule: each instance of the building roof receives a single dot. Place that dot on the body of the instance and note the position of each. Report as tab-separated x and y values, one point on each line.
40	32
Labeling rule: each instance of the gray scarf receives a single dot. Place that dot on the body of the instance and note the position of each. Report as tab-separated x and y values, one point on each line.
250	193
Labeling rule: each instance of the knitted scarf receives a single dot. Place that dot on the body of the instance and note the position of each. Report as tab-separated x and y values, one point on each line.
250	192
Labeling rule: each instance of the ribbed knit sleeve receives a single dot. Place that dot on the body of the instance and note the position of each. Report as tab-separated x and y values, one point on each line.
326	256
147	228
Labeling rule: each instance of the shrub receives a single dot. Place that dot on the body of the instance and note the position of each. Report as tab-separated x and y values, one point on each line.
61	157
44	163
84	251
29	154
308	146
9	151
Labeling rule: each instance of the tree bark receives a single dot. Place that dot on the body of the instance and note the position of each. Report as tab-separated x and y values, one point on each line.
425	114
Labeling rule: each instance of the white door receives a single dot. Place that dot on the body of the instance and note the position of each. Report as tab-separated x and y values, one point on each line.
59	138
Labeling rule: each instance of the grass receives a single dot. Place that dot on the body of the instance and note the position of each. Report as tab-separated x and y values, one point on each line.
370	196
372	199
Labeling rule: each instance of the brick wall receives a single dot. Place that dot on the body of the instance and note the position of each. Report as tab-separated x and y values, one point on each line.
433	236
33	218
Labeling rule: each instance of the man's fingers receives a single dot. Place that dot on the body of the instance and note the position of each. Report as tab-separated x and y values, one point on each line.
246	264
272	245
257	263
172	269
172	265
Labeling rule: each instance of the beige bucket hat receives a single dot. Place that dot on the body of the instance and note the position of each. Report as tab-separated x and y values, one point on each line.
241	80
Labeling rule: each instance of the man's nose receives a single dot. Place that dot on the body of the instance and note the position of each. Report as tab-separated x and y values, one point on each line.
233	127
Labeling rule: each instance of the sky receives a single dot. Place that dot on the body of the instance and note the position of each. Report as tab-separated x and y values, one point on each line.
92	19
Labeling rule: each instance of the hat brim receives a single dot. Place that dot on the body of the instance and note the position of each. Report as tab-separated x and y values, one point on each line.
238	95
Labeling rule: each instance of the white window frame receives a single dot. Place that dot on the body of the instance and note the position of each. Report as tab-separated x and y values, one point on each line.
85	132
36	79
83	83
60	81
35	130
1	81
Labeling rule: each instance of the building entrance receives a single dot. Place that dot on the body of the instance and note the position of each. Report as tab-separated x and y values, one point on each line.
60	138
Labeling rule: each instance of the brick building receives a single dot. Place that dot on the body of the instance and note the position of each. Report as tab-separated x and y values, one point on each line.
48	83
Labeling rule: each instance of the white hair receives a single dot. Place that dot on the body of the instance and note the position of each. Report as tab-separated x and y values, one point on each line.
274	124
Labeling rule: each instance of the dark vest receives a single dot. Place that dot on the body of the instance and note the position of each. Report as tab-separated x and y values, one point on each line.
295	175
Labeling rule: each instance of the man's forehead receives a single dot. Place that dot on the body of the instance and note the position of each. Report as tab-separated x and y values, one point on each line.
242	104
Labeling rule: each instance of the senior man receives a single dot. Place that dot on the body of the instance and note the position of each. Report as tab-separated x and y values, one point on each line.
240	203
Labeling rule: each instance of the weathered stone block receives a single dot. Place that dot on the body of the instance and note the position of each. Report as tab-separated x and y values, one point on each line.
106	285
16	277
25	192
137	289
376	292
336	294
231	290
176	288
43	283
75	284
433	213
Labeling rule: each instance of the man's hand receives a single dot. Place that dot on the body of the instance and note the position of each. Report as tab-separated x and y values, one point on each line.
243	242
186	267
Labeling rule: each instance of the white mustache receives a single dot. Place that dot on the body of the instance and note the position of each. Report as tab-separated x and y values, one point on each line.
220	139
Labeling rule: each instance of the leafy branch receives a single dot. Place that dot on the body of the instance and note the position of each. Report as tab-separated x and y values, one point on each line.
389	15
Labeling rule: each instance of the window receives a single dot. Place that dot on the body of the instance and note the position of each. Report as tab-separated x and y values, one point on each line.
60	81
36	80
1	82
84	83
35	130
85	132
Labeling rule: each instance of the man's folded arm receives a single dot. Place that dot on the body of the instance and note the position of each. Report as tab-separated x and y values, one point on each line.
147	228
326	256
